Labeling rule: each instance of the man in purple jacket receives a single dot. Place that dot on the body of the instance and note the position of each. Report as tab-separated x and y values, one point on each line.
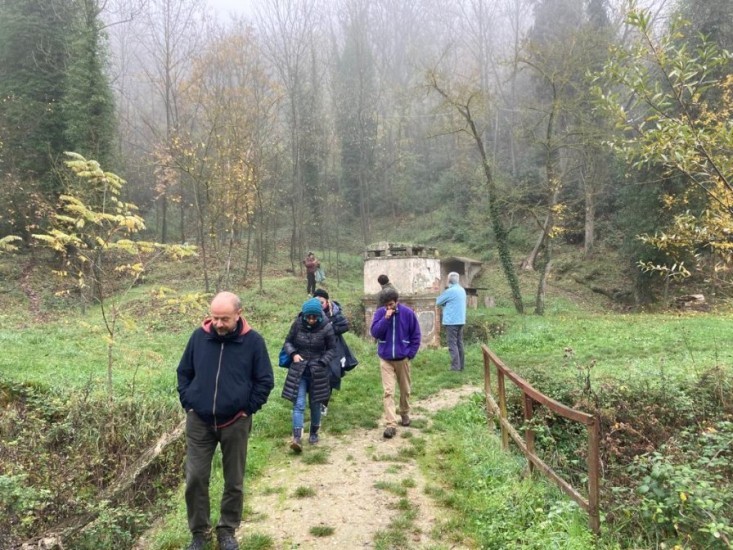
398	339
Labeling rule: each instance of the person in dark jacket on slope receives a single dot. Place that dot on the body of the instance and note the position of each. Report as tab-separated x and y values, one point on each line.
311	265
397	331
224	377
311	344
343	360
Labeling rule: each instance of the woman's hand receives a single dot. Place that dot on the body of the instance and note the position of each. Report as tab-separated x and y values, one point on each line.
297	358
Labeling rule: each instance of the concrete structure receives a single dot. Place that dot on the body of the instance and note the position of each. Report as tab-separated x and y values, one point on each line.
419	275
412	269
467	269
415	271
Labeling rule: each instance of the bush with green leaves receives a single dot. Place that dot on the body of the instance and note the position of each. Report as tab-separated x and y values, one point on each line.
684	490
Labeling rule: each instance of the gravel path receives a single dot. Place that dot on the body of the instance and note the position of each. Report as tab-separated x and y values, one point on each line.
345	496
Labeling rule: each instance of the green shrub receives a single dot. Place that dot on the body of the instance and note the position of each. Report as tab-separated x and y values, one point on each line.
683	493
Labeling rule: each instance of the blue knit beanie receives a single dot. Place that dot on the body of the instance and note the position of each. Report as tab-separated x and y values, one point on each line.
313	306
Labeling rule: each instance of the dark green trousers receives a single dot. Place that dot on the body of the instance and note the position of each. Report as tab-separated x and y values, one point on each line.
201	442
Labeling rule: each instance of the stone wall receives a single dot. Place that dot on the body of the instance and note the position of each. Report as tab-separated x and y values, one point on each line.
409	275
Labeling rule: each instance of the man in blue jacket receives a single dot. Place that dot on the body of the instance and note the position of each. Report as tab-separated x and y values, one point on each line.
453	302
397	331
224	377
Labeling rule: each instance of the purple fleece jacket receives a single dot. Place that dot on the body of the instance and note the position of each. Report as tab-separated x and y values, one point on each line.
397	337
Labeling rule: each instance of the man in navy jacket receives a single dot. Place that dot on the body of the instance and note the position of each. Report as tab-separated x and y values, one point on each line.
397	331
224	377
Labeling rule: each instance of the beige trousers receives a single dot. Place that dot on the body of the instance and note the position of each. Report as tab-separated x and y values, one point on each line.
392	371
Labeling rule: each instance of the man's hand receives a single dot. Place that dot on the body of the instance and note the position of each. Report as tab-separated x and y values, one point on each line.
388	313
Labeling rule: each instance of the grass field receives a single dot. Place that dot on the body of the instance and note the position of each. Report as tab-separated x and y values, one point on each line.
63	355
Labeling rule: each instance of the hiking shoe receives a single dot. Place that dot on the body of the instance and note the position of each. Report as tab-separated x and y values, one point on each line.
390	432
405	419
198	542
296	445
313	439
228	542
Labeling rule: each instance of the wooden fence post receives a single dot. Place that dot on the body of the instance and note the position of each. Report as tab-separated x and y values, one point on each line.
529	430
502	409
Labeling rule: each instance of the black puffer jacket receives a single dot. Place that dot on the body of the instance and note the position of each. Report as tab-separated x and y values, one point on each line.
338	320
317	346
343	360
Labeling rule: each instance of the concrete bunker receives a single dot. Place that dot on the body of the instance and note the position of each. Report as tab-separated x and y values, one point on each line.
419	275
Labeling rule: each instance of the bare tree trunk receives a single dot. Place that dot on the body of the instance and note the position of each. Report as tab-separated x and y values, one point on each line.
529	262
539	308
500	232
201	222
590	223
163	217
183	218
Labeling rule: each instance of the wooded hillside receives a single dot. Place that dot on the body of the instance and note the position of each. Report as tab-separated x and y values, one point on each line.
498	125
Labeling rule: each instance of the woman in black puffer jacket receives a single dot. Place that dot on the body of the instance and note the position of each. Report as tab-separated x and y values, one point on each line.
311	344
343	360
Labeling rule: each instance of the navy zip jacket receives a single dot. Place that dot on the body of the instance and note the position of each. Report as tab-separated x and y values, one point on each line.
223	377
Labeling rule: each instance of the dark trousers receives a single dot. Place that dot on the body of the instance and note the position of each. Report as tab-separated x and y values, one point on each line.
201	442
311	277
455	346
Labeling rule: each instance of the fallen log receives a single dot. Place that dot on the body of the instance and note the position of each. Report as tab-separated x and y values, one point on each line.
55	538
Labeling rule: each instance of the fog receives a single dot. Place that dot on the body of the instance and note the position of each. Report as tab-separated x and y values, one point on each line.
225	8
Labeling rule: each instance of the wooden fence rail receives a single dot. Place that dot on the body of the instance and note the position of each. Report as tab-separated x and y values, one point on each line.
526	444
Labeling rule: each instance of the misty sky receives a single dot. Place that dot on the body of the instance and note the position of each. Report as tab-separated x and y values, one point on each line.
225	7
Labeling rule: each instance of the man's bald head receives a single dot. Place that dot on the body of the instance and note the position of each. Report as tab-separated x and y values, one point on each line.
225	309
224	298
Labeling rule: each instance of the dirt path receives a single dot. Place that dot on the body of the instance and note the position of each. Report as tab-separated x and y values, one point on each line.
345	497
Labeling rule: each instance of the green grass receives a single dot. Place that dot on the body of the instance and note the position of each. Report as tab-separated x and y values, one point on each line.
319	456
391	487
66	355
257	542
621	345
321	531
498	507
304	492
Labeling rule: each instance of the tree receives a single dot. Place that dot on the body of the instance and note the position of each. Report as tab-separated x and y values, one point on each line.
560	51
464	107
33	59
174	29
92	232
288	29
355	105
235	103
656	90
87	105
55	96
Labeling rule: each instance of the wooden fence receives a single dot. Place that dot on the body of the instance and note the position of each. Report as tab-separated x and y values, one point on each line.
526	444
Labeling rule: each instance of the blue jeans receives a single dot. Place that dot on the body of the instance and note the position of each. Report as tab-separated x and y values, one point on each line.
455	346
299	406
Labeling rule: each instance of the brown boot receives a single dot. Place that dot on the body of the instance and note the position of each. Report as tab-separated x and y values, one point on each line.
296	445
